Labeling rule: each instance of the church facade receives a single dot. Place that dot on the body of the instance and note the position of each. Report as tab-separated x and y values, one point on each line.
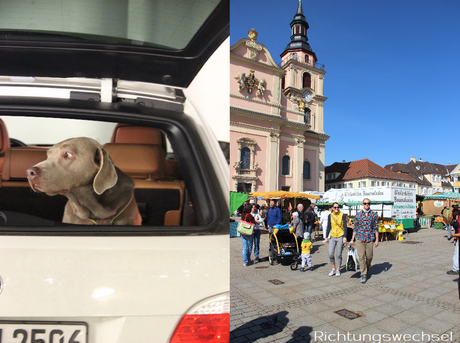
277	140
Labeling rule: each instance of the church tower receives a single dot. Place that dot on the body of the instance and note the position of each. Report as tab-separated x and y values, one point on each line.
303	83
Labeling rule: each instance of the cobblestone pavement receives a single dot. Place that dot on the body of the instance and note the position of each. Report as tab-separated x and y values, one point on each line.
408	295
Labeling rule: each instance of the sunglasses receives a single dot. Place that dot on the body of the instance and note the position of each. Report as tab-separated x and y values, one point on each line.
366	203
335	207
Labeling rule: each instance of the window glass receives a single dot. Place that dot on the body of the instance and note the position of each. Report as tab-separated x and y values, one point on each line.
245	158
306	170
134	22
143	154
285	165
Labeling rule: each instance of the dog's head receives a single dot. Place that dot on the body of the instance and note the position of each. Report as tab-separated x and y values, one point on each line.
73	163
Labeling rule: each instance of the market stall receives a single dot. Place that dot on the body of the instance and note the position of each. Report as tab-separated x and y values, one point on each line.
433	206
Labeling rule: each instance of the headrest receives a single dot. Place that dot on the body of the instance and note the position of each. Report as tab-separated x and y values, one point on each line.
124	133
140	161
4	138
19	159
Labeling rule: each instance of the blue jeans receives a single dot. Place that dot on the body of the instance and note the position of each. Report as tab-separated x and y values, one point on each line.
455	259
247	247
256	243
309	228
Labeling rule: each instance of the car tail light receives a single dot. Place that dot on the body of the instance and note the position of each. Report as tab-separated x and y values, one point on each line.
208	321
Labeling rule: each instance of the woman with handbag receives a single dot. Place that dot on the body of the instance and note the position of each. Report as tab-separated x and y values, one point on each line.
258	219
247	240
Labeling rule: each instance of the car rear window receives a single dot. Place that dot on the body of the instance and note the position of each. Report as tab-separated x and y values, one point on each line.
166	183
169	24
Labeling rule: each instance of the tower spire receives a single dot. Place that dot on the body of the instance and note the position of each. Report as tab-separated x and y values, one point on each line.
299	26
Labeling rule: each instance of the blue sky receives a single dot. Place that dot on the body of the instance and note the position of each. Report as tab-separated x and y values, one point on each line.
393	72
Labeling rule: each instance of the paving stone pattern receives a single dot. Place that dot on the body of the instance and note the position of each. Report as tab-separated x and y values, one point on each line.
407	293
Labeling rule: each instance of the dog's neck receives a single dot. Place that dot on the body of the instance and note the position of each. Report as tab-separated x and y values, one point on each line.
90	207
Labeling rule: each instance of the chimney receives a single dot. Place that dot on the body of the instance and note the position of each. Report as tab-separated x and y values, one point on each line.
412	159
420	160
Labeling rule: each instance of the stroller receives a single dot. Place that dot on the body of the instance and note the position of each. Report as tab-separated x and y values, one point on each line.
283	247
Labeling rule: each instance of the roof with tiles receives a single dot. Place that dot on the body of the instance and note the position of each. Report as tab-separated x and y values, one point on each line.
364	169
418	170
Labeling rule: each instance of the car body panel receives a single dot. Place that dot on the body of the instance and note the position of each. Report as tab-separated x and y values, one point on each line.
108	275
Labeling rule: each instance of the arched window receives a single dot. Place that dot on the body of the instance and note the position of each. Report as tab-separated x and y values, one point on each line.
245	158
306	80
306	170
285	165
306	116
294	56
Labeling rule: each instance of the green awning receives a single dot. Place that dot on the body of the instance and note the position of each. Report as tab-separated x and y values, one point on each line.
236	200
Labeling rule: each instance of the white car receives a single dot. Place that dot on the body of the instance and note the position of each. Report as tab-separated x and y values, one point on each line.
114	71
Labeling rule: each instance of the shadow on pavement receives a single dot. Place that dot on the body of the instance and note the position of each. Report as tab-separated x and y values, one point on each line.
380	267
302	334
260	327
316	266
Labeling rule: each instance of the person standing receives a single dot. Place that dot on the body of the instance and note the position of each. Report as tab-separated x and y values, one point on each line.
263	214
247	239
300	211
298	227
256	232
273	215
324	220
306	248
309	219
337	229
446	214
455	217
366	230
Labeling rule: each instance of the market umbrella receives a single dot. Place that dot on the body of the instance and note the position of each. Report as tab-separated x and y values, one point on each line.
283	195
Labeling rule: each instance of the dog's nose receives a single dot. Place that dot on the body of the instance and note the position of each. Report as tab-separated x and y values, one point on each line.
32	172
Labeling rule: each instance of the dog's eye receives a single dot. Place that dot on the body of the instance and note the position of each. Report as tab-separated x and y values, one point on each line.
67	155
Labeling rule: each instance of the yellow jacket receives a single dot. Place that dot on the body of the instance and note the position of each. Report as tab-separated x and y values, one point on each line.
337	225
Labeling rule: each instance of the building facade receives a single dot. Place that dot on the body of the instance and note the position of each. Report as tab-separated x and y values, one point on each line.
431	178
277	140
365	174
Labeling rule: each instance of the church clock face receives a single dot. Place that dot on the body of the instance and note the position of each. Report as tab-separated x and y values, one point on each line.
307	96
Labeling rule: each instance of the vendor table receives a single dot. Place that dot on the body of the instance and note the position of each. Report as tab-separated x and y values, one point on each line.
396	230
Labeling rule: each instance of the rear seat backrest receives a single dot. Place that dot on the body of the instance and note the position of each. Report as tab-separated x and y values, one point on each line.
140	161
17	161
128	134
160	201
124	133
15	192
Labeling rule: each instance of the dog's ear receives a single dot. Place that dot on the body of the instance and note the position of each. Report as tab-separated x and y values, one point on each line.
107	176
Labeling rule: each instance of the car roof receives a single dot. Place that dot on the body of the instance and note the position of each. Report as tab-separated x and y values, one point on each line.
188	33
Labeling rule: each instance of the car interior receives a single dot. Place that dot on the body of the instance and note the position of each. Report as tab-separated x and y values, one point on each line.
139	151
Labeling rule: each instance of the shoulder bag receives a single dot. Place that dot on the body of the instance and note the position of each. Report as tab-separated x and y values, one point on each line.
245	228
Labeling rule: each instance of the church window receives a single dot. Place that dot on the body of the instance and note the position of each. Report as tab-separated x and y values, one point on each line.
294	56
283	83
307	59
286	161
306	80
245	158
306	170
306	116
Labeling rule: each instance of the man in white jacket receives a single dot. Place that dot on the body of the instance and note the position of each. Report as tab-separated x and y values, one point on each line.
323	220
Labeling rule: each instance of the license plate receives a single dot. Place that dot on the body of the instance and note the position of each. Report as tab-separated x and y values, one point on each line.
43	332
